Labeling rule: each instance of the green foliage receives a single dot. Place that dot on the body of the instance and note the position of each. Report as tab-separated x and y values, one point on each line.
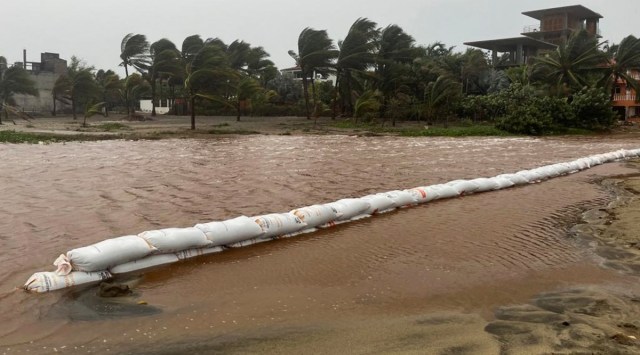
592	109
367	105
572	65
460	131
527	118
112	126
37	138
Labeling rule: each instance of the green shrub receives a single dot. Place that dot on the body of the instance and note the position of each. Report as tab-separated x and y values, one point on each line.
592	109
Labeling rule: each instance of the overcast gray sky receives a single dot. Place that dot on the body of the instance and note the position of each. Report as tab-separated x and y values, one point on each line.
92	30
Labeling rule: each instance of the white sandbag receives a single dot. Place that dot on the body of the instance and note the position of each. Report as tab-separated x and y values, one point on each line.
634	152
316	215
144	263
401	198
444	191
584	163
564	168
349	208
170	240
620	154
230	231
190	253
579	164
611	156
594	160
378	203
108	253
530	175
50	281
422	194
279	224
485	184
545	172
514	178
501	182
464	187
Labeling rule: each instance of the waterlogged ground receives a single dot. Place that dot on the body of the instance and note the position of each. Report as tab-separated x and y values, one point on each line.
448	276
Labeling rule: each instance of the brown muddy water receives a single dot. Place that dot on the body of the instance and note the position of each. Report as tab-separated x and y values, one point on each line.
422	279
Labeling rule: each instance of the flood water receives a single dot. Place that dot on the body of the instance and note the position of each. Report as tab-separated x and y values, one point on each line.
347	288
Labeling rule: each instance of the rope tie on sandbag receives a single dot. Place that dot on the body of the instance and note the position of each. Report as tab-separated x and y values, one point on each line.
103	260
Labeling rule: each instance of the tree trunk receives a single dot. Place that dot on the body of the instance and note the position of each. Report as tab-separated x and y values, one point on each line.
335	97
126	90
238	107
193	113
314	96
305	89
153	98
73	108
54	107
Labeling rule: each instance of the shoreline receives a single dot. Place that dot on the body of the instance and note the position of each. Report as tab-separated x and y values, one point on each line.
65	128
598	318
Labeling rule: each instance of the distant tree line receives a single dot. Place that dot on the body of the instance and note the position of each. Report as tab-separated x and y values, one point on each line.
381	75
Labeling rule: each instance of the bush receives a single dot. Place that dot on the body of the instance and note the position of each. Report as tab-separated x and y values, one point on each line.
529	118
592	109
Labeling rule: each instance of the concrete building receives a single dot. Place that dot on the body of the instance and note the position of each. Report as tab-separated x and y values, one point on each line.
44	73
625	100
554	27
296	73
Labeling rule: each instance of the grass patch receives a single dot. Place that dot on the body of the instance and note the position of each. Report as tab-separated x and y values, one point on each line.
225	124
233	131
111	126
464	131
36	138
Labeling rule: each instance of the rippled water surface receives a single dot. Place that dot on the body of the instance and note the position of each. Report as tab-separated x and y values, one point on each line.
465	254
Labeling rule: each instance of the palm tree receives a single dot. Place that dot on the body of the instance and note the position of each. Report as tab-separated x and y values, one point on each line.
395	51
207	72
356	55
621	59
438	94
14	80
315	55
259	67
165	63
92	109
78	84
245	88
134	50
135	87
109	85
572	64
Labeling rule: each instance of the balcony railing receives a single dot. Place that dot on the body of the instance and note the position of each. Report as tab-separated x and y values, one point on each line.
624	97
530	29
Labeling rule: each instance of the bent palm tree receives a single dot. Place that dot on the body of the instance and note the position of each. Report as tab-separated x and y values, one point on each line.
164	64
356	55
78	83
134	50
569	67
207	73
315	55
621	60
395	51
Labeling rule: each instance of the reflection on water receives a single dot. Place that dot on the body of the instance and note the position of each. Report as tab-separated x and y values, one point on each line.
469	254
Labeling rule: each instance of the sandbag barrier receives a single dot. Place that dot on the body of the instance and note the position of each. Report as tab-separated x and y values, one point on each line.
103	260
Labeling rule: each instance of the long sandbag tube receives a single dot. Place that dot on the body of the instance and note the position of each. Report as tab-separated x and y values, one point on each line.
100	261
